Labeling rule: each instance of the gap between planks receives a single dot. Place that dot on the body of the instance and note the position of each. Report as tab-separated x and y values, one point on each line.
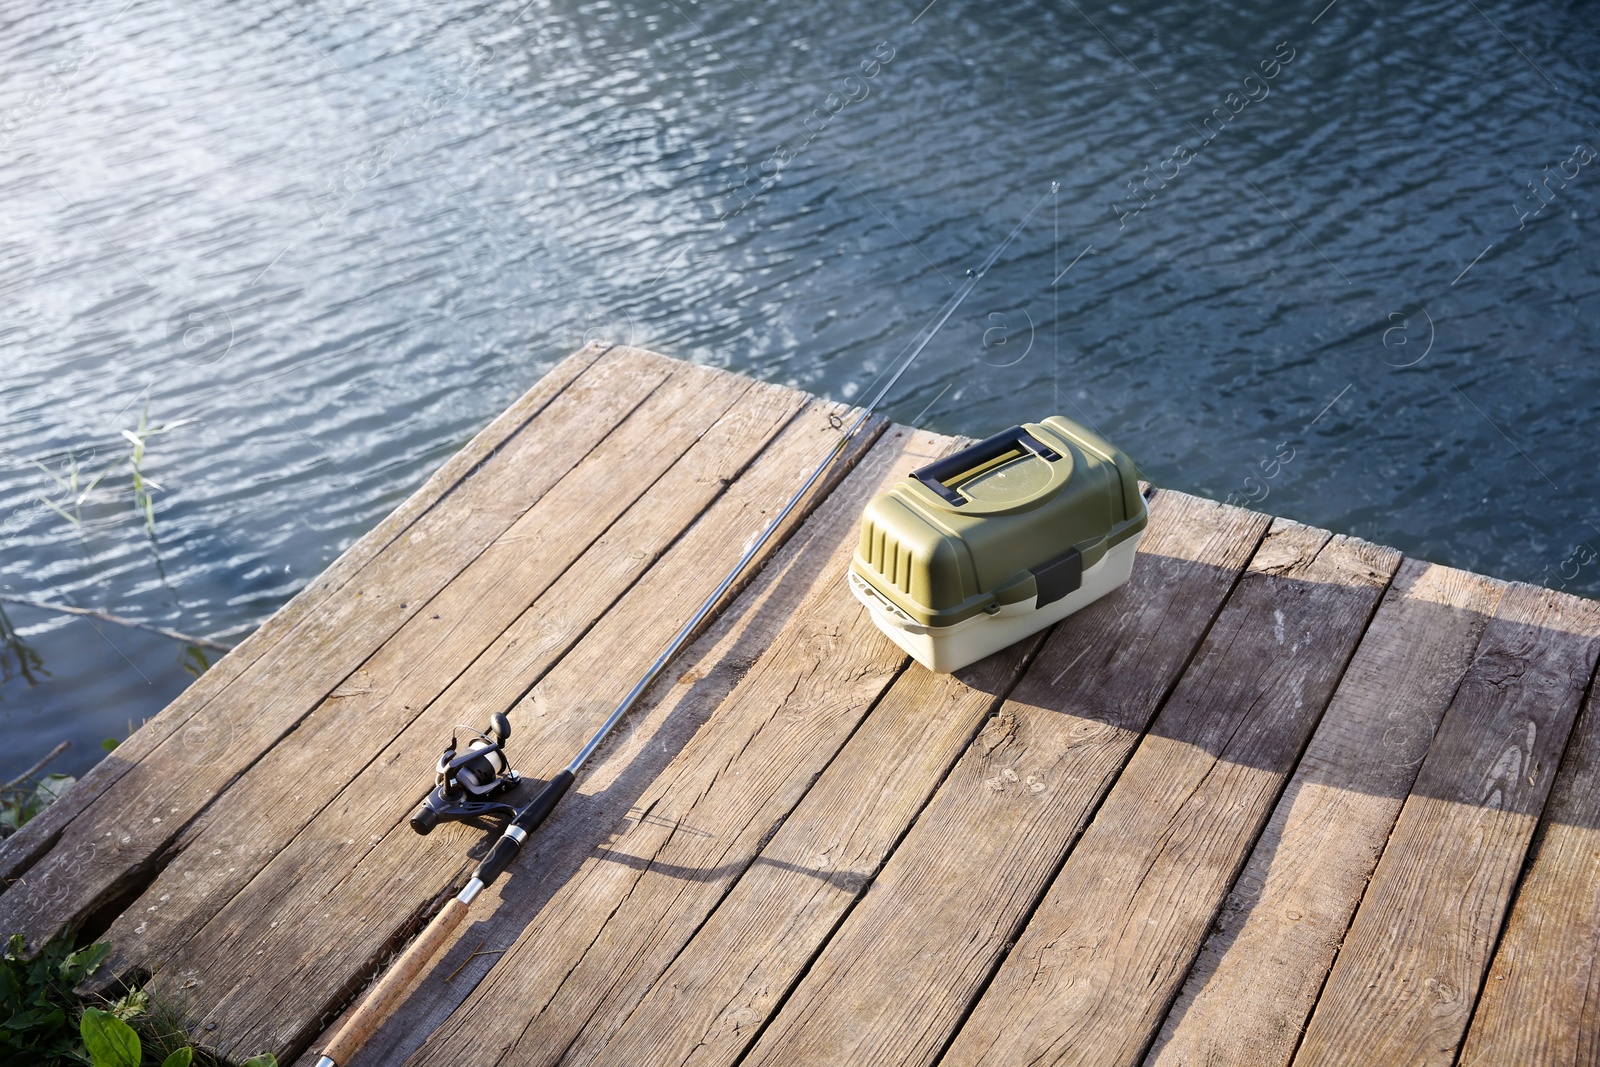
398	873
622	643
1255	981
23	848
295	781
739	777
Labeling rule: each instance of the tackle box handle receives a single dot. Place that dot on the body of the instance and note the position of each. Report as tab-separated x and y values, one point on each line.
935	474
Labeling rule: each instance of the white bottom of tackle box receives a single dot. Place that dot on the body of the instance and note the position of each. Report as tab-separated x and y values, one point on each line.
949	648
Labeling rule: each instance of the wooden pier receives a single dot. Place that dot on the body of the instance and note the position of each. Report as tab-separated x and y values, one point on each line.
1287	797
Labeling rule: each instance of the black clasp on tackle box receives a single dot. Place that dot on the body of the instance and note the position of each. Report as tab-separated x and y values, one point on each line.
1057	577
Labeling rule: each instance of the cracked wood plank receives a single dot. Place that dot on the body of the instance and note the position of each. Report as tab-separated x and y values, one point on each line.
357	876
1413	961
704	816
705	1007
257	816
121	836
686	959
295	619
565	706
1255	982
1101	958
1541	1000
902	970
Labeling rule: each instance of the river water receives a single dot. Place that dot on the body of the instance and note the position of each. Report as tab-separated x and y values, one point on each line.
1334	261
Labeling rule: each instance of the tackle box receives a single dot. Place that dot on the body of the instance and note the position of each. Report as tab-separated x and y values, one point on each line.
980	549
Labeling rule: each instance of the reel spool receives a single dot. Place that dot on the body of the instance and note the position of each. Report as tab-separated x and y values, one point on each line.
465	785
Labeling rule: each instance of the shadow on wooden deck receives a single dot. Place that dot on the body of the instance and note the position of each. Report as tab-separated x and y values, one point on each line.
1272	802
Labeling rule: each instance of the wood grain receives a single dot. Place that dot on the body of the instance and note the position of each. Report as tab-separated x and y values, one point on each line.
565	705
386	997
120	836
797	850
703	817
898	976
22	849
257	816
705	1006
357	874
1101	958
1256	980
1414	959
1541	999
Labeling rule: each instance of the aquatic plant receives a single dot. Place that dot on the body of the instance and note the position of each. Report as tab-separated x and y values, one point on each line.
27	794
193	659
29	664
143	483
77	492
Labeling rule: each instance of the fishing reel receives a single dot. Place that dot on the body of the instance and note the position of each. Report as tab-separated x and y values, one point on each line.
465	785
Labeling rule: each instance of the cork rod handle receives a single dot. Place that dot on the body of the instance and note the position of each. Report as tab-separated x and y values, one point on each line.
391	989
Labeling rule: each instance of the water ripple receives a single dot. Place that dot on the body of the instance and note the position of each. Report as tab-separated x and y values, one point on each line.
327	241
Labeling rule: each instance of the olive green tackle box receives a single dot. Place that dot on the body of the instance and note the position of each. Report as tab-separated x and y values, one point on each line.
996	542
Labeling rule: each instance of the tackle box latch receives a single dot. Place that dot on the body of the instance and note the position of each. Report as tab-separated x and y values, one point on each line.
990	448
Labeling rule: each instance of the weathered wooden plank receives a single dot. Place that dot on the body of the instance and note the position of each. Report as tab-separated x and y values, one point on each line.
120	835
1253	986
22	849
565	706
1100	960
896	979
1414	959
335	884
707	813
1541	1001
704	1008
257	816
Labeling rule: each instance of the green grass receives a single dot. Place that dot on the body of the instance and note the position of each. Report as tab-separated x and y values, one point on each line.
47	1024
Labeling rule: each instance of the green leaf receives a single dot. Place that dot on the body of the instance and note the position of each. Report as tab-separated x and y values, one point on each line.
82	963
133	1004
51	788
181	1058
54	477
266	1059
52	505
110	1041
102	474
110	744
24	1019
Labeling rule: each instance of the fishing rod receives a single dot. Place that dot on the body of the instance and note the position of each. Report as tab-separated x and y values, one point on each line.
467	784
